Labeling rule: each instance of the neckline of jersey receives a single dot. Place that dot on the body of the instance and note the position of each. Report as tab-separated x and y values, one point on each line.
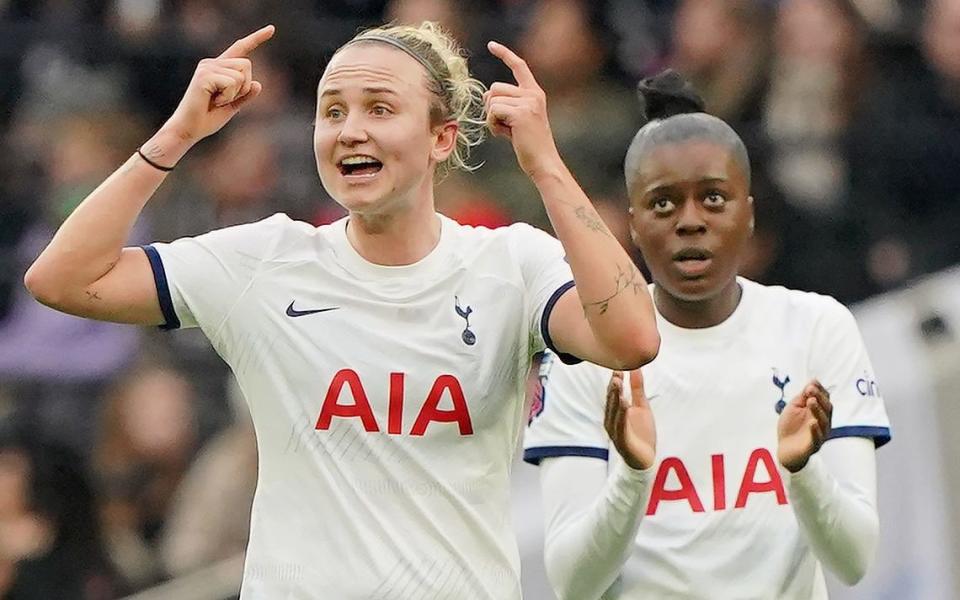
721	330
350	259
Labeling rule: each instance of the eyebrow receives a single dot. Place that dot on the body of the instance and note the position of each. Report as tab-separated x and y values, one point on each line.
668	186
367	90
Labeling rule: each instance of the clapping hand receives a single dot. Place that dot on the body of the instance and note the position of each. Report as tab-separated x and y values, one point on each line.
630	424
803	426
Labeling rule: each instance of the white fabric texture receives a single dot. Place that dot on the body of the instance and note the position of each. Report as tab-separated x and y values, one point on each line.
387	401
720	520
834	497
591	526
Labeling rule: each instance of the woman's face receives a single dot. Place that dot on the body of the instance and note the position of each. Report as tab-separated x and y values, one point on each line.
941	36
814	31
703	33
691	217
158	416
375	146
24	533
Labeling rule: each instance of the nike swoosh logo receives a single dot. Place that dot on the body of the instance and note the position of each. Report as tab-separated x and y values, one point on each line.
292	312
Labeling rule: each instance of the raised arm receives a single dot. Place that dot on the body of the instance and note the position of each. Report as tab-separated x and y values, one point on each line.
608	318
85	270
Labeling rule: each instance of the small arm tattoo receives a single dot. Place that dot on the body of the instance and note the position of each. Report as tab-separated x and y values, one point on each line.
588	216
92	295
624	280
153	151
592	220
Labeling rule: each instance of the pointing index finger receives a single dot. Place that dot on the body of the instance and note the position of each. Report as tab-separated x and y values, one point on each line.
518	66
246	45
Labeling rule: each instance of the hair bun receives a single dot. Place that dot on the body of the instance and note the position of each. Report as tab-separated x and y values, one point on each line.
668	94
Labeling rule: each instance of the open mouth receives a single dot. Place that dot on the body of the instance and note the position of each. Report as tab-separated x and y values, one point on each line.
693	262
359	166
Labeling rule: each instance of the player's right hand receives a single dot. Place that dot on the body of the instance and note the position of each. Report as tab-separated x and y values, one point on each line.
630	423
219	88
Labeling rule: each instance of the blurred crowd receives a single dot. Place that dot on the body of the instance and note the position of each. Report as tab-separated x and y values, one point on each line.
126	457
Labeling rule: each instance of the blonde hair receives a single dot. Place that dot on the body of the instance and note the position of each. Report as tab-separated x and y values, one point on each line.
457	96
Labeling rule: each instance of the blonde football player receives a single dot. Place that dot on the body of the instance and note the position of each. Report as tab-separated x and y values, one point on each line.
383	356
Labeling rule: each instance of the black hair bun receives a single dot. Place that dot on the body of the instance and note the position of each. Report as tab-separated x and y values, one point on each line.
668	94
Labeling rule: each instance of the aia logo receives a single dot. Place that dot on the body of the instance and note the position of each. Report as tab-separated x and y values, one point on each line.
446	389
682	489
781	384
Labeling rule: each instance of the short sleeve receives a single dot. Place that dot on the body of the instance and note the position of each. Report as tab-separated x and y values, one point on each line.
546	276
199	279
566	418
839	360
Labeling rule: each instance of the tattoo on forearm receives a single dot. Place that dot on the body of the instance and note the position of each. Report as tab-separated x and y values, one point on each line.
153	151
92	295
588	216
592	220
637	282
624	280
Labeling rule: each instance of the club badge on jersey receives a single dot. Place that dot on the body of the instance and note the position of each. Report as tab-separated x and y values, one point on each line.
469	338
781	383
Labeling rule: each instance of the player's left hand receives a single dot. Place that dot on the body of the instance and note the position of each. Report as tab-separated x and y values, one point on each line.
630	423
519	112
803	426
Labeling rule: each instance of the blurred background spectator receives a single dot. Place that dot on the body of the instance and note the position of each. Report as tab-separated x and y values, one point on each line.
146	442
126	457
50	542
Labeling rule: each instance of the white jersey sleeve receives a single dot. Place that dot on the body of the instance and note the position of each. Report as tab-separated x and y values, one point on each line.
839	360
566	418
546	275
834	498
200	279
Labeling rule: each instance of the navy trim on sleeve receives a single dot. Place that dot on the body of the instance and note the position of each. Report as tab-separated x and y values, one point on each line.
163	290
880	435
535	455
567	359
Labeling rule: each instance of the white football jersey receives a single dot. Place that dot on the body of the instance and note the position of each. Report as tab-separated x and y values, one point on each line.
718	523
388	401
